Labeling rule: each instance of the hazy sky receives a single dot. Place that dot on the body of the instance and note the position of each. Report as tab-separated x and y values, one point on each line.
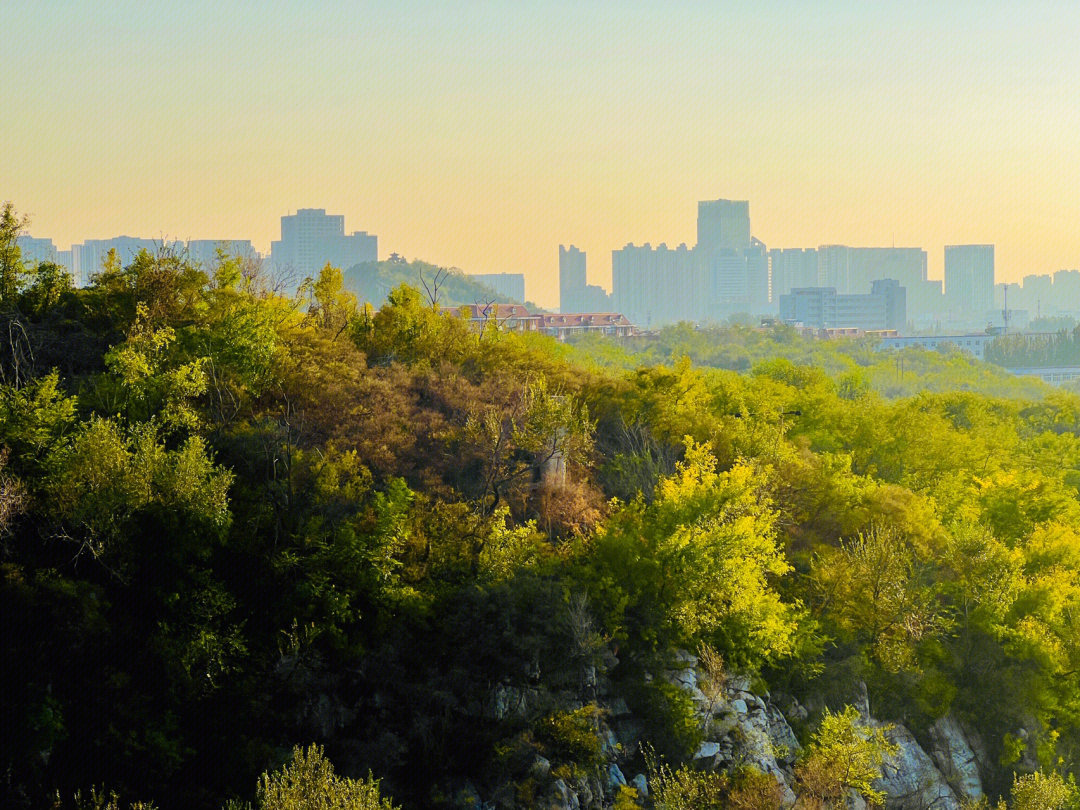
482	135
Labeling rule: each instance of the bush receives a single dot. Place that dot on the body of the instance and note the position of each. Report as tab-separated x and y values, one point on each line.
570	738
309	781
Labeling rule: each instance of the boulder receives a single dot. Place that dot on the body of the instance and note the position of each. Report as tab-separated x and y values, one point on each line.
609	743
910	780
785	744
615	777
707	750
955	758
563	798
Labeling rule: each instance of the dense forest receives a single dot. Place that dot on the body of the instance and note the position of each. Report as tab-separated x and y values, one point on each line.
286	550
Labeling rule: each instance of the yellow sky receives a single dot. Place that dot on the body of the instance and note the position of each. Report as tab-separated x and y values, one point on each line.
484	135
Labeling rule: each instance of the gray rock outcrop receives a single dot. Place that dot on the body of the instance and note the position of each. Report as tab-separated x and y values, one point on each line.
910	780
956	759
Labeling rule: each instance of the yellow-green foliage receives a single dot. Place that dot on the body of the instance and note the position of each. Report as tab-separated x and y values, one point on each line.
1044	791
687	789
571	738
102	800
234	501
626	798
308	782
697	563
845	755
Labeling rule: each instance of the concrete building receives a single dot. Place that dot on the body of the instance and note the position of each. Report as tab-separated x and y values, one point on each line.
1035	294
969	281
575	294
723	225
34	250
310	238
814	307
972	344
572	278
757	277
824	308
87	258
852	269
790	268
634	285
925	302
895	302
726	273
1067	290
657	286
205	251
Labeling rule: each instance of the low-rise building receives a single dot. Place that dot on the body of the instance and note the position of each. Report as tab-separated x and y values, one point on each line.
612	324
972	344
511	317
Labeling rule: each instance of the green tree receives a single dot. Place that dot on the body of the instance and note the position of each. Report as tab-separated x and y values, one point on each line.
844	755
876	589
11	264
408	331
696	564
329	304
147	382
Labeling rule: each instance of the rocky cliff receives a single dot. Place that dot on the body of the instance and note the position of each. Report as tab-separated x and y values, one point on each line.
744	727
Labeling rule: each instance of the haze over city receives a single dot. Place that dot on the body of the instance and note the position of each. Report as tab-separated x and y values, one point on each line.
486	136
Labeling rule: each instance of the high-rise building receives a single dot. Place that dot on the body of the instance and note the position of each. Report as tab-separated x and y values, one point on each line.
790	268
656	286
575	295
510	287
1036	295
723	225
1067	290
969	280
205	251
757	276
88	258
735	265
852	269
895	302
35	250
572	278
727	272
925	302
633	283
310	238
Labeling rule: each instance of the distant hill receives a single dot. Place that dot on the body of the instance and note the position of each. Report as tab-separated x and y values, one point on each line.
373	281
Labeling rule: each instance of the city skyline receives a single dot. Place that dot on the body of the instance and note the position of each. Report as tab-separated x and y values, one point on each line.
484	138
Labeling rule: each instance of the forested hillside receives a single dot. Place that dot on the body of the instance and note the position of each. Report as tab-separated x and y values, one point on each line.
374	281
237	523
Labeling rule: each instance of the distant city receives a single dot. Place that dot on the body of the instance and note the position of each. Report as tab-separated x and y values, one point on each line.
727	273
